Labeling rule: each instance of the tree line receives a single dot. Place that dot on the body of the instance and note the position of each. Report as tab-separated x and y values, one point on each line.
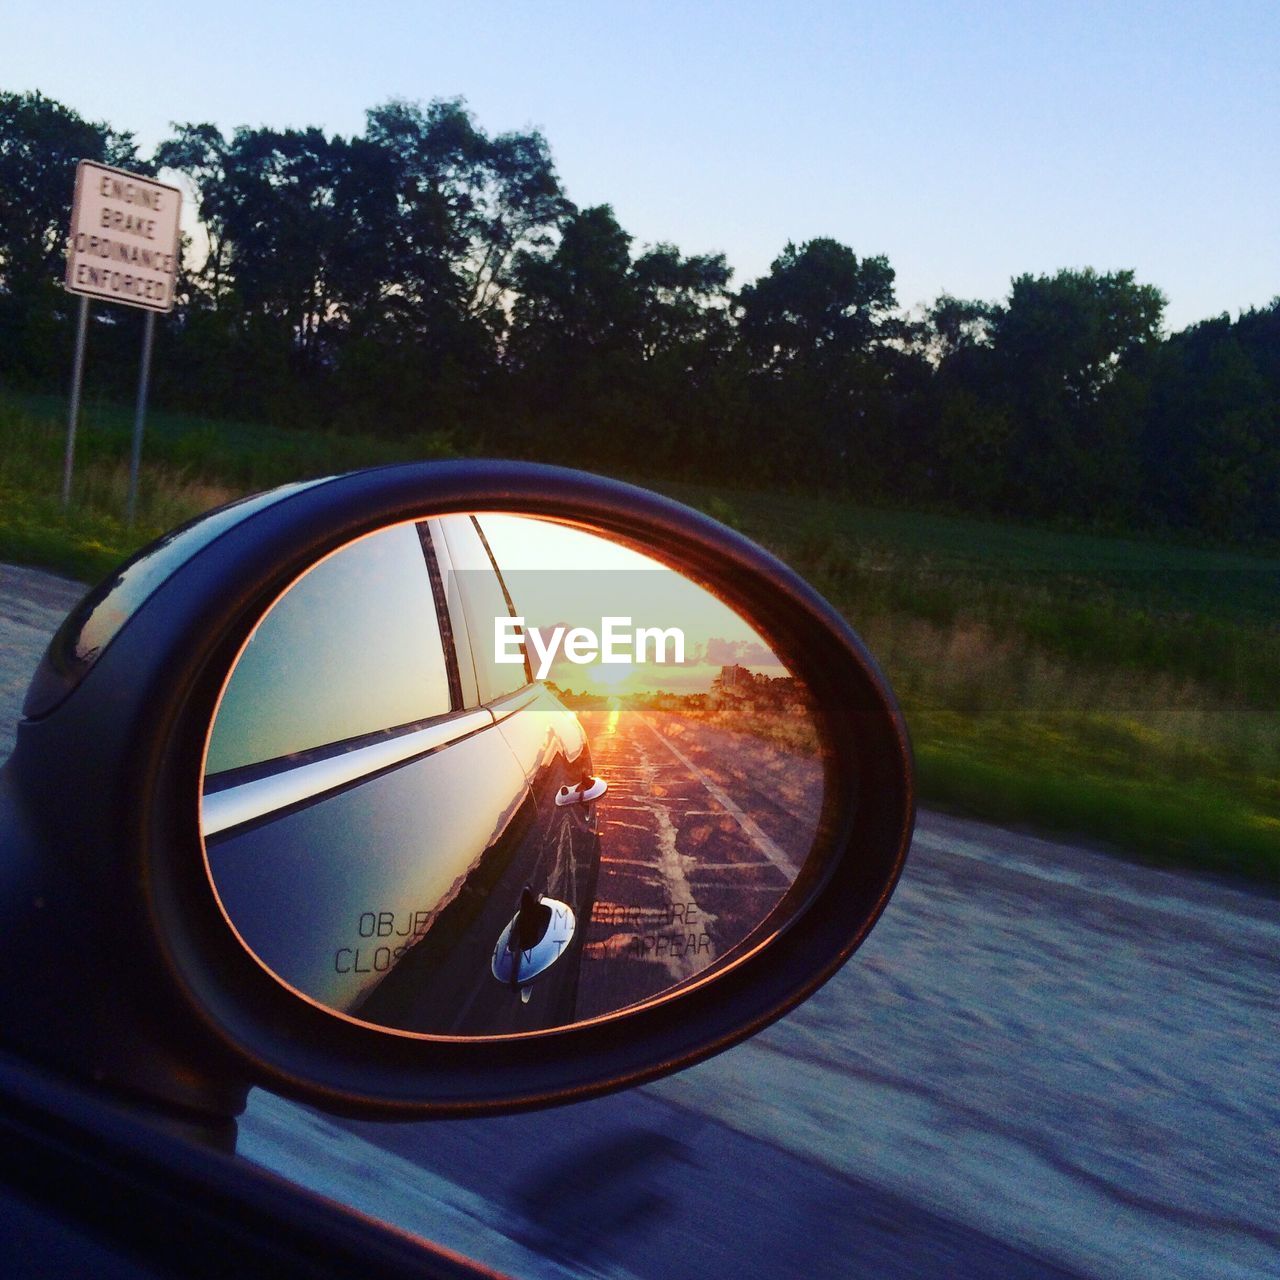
429	276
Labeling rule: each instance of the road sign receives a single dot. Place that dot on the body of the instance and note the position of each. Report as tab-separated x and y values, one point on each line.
124	237
123	247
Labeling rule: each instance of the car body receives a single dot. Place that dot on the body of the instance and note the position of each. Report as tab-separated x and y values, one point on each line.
439	765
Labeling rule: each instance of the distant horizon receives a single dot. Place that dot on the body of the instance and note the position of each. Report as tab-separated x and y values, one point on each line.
558	576
968	148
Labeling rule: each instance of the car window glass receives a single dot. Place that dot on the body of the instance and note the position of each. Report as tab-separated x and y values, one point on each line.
360	629
483	600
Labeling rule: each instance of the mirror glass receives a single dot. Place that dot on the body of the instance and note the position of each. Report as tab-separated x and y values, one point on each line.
487	774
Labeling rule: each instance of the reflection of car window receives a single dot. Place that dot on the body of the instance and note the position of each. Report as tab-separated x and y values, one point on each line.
351	648
483	600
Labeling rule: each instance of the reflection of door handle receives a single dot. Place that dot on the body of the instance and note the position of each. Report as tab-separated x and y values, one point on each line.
583	792
533	941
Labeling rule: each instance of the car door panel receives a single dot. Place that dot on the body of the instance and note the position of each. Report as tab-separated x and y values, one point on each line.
378	882
332	894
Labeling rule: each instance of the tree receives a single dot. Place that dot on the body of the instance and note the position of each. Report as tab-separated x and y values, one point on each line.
41	141
683	301
817	331
284	222
200	153
1066	350
817	301
468	204
1212	433
1066	335
955	325
579	298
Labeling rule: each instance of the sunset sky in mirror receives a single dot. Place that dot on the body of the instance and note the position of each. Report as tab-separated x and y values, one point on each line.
558	574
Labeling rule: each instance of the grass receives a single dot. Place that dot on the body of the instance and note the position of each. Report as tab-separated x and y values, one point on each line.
1106	687
190	464
1109	688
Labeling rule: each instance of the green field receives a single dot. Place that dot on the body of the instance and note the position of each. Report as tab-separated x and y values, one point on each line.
1109	688
190	464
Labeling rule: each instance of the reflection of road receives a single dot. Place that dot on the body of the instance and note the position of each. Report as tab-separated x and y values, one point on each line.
697	846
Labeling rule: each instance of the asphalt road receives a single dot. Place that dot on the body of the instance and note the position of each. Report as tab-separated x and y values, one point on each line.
1045	1061
687	869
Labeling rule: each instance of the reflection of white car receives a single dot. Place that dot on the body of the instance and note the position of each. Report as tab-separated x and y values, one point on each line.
365	708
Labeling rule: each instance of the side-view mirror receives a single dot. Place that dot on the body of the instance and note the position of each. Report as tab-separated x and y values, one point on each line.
440	789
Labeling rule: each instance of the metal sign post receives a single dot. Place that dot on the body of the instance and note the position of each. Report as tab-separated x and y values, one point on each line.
123	247
135	457
73	415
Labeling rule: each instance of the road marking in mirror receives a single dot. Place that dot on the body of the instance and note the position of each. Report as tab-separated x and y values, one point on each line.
721	797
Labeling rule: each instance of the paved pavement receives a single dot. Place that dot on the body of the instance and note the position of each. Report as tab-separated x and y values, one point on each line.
1042	1058
1044	1062
32	603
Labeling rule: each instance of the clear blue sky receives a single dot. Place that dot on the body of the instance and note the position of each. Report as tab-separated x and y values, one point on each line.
968	141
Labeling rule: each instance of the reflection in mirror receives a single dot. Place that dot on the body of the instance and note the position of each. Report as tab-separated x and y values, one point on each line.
484	775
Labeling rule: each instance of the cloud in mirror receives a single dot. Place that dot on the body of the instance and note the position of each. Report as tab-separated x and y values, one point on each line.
489	775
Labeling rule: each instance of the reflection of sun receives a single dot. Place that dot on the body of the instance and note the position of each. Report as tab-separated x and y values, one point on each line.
607	675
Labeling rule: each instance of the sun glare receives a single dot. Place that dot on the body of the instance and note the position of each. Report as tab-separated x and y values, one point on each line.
602	675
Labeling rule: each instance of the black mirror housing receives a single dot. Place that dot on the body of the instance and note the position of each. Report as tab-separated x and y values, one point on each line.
128	974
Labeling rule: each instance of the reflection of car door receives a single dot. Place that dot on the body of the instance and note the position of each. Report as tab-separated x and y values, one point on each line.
363	856
551	749
559	851
338	759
